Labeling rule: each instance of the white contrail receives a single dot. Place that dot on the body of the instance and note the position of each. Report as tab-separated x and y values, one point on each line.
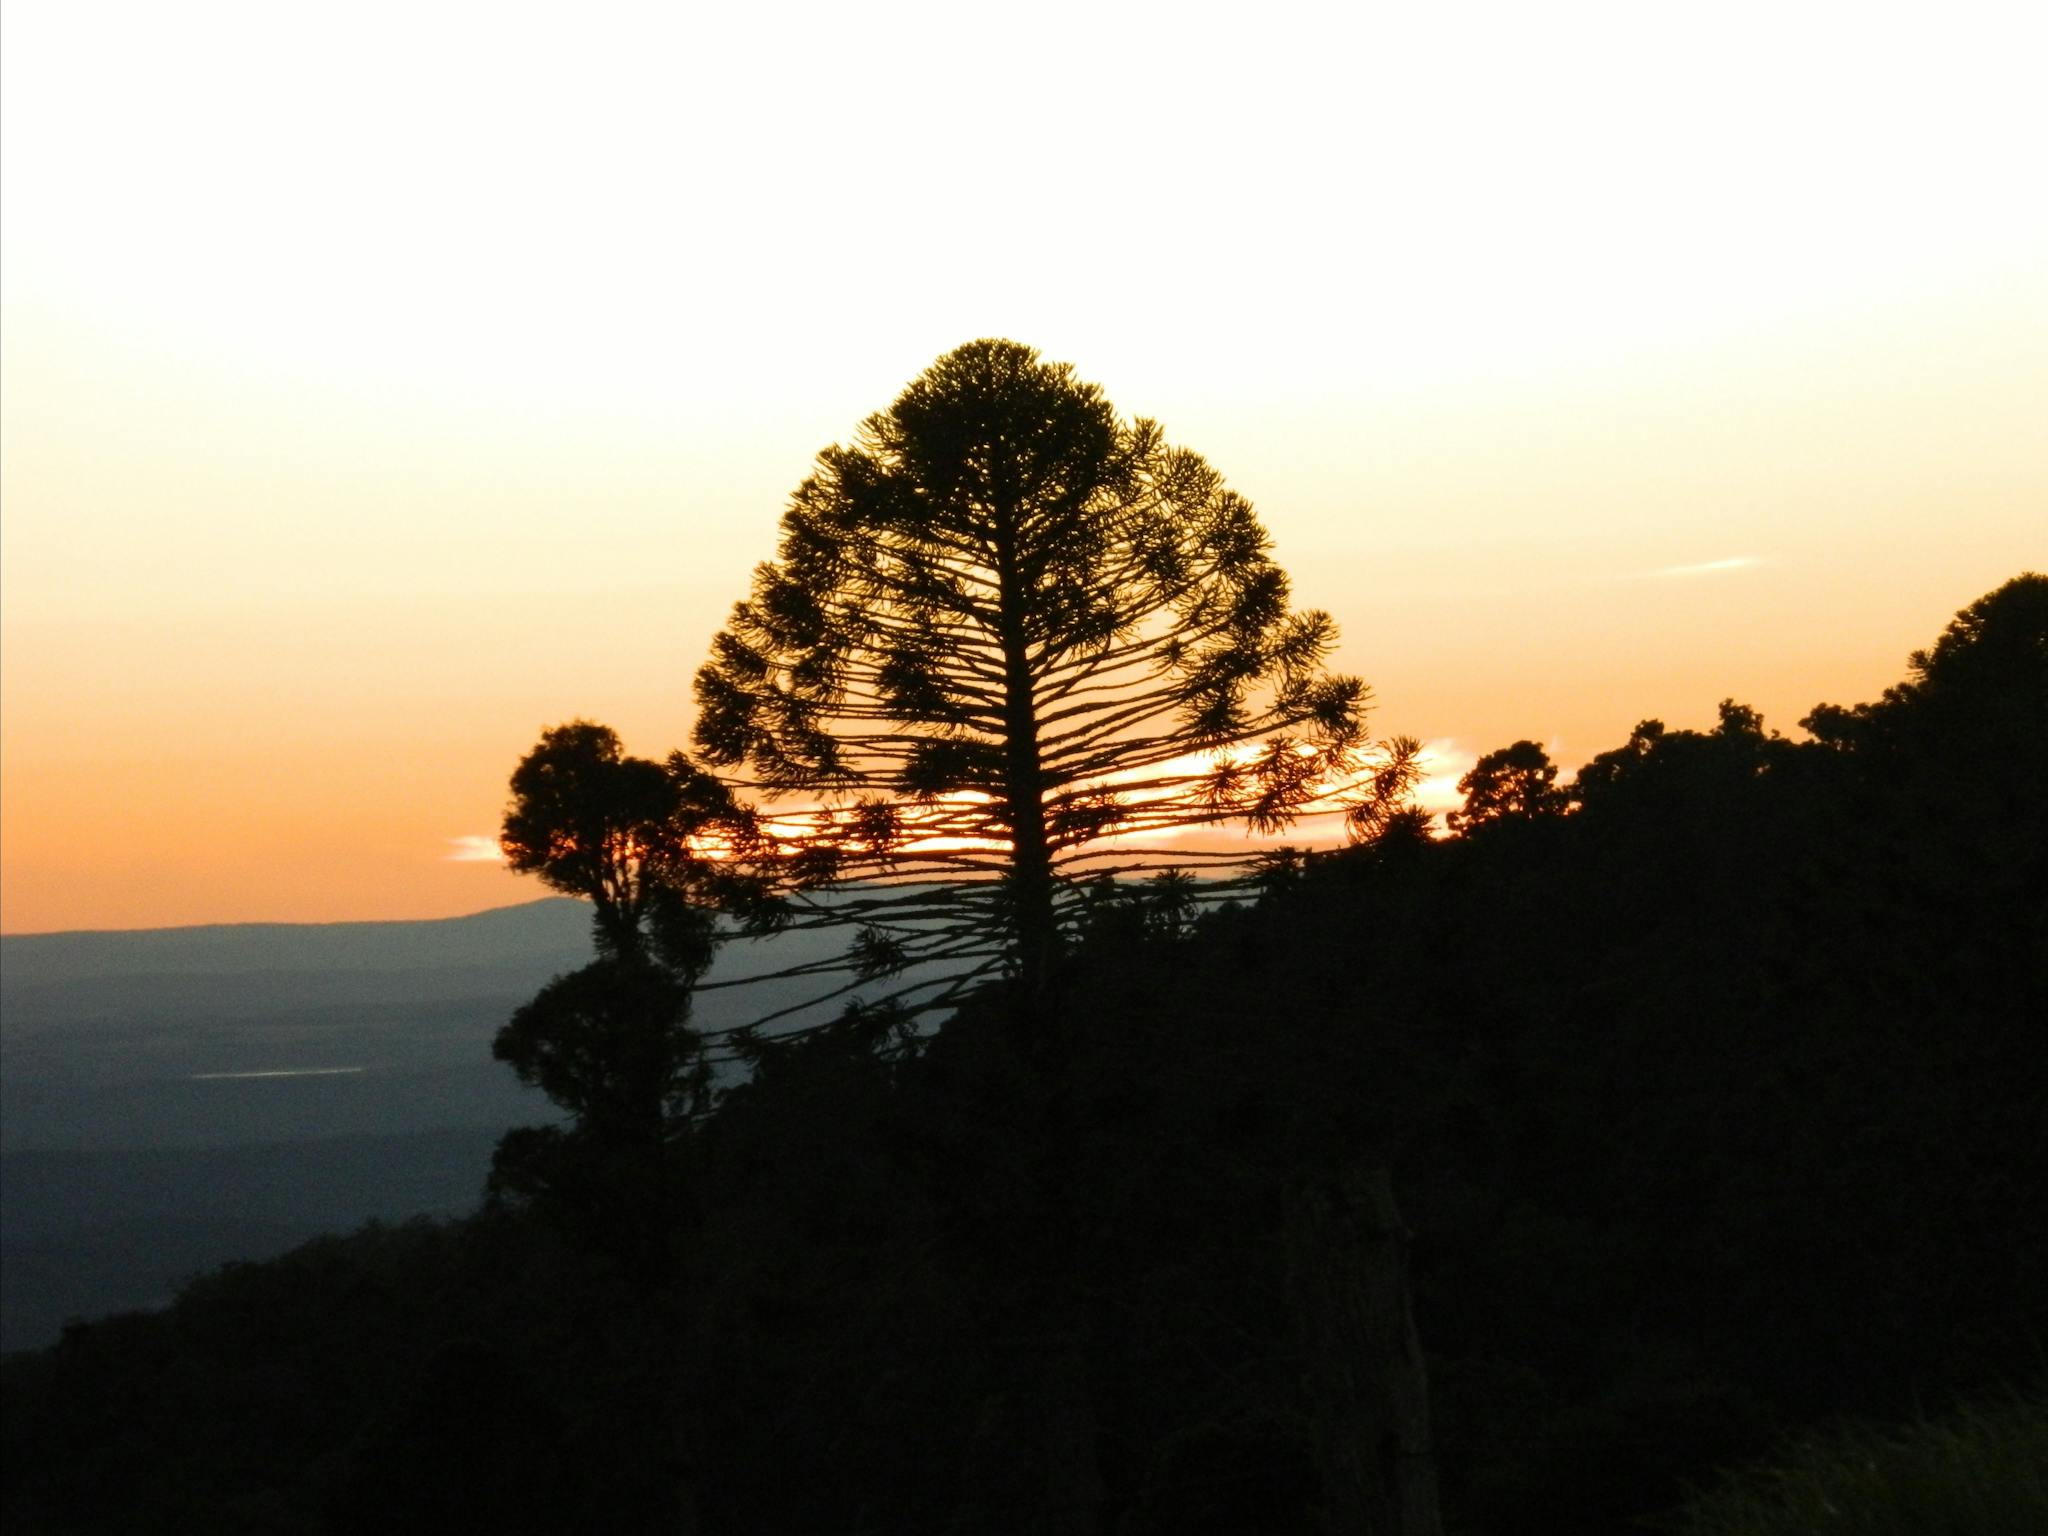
207	1077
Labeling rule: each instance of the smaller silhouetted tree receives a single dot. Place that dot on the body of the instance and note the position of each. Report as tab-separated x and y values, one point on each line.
1515	783
652	846
634	838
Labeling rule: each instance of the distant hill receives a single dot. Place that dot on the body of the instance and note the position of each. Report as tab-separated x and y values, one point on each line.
556	928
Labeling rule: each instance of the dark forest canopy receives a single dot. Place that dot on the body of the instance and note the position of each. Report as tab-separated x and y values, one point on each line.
1712	1098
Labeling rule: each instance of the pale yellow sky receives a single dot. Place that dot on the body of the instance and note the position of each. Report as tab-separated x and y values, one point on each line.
384	383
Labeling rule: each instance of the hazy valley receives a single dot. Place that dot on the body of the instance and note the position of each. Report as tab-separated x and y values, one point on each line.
174	1099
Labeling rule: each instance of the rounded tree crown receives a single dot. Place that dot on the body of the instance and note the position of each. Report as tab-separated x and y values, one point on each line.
996	554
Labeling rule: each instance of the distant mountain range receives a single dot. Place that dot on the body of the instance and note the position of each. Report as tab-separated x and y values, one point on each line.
553	930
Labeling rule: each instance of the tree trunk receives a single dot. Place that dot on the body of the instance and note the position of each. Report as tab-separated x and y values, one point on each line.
1024	781
1367	1392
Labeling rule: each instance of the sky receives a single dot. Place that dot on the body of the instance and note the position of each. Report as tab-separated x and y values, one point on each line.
382	384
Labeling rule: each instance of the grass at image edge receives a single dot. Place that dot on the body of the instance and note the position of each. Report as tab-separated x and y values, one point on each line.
1980	1472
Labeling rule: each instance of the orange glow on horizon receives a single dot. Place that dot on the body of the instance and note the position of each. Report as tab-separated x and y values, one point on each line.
341	455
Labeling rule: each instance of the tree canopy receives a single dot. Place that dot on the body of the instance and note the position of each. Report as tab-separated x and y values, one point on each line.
1518	782
624	833
1982	685
1009	639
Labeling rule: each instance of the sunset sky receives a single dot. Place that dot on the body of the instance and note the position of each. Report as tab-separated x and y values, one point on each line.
383	383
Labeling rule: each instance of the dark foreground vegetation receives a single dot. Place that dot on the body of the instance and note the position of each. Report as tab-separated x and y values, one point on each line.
1711	1087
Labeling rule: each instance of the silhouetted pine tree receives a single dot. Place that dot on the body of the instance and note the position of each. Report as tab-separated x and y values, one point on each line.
1008	639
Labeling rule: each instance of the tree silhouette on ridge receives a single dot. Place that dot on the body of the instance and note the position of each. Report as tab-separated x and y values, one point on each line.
1009	640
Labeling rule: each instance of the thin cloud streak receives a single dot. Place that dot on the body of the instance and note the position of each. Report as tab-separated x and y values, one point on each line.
474	850
1705	568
